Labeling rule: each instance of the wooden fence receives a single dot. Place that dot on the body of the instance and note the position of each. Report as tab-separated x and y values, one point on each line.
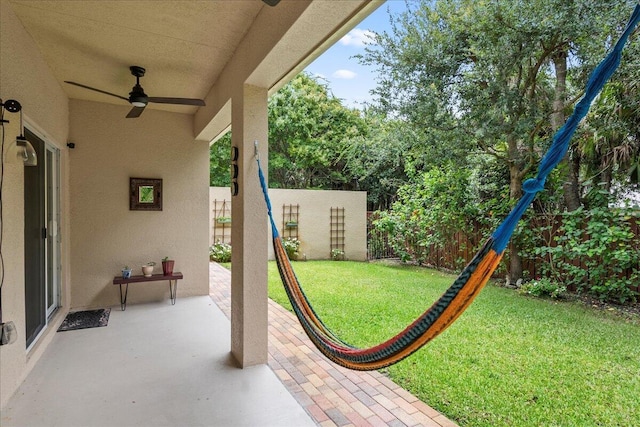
461	248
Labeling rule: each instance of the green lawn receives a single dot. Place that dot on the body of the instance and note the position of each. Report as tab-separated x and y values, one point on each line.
509	360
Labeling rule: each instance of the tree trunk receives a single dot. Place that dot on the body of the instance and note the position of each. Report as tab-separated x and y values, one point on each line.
515	192
571	186
606	166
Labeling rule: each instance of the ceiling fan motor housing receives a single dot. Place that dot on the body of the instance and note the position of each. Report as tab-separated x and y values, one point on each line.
137	97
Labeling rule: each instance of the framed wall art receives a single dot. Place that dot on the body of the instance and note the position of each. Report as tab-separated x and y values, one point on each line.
145	194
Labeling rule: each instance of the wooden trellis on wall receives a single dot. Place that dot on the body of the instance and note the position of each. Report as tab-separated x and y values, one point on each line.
222	221
290	221
337	231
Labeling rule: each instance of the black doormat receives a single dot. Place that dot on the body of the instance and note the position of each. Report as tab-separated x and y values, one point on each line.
85	319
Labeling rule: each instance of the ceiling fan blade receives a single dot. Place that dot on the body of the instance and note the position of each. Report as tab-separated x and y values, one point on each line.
97	90
178	101
135	112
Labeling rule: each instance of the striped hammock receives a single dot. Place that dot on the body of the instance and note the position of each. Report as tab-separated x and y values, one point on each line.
474	276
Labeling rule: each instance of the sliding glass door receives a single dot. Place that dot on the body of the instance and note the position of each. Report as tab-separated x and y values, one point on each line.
41	237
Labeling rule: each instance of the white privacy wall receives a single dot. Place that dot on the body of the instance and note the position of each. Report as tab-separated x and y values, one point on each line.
314	219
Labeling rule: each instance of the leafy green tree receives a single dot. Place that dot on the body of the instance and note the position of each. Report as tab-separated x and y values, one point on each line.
609	147
220	162
430	212
316	142
308	130
377	161
493	76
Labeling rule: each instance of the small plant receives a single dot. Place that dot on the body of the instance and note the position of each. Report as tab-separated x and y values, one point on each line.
126	272
543	288
220	252
291	245
337	254
167	266
147	269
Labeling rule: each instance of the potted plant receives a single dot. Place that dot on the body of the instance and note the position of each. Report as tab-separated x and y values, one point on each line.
167	266
223	220
126	272
147	269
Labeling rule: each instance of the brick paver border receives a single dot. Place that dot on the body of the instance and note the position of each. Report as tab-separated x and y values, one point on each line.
331	395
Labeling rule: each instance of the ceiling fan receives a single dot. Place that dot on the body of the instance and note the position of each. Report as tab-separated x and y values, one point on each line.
139	99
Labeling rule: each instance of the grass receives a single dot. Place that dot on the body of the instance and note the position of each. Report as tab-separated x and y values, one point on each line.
509	360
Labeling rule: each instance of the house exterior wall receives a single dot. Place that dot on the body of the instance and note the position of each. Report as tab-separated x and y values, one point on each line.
105	234
98	232
314	219
25	76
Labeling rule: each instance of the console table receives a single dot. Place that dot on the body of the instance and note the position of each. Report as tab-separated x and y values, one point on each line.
172	278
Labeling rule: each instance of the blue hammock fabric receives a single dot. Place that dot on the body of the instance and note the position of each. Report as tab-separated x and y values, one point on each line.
474	276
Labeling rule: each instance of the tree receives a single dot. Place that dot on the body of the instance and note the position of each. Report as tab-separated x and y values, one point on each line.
493	76
308	129
609	147
377	161
316	142
219	162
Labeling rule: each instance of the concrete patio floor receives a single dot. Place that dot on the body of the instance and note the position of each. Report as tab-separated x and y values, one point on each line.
153	365
162	365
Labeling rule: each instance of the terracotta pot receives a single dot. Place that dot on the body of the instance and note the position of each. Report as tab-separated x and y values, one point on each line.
167	267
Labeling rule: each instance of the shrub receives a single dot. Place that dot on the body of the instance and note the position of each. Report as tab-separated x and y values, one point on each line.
594	249
220	252
337	255
544	288
429	212
291	245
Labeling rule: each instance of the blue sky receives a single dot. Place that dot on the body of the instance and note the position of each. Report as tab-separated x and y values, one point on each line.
347	79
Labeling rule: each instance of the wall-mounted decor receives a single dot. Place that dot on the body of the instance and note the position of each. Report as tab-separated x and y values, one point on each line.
145	194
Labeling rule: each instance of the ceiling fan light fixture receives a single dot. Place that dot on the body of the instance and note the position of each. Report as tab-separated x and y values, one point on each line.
138	103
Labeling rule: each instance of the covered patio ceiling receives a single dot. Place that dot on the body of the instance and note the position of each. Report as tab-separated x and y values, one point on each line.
190	48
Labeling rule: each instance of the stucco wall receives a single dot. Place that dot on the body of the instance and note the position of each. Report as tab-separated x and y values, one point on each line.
105	234
314	219
24	76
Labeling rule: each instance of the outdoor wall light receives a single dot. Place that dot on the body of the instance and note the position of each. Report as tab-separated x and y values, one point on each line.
20	149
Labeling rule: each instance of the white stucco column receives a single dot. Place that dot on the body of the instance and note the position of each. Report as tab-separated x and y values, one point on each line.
249	233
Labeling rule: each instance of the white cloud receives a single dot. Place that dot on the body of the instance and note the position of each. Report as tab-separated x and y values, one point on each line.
344	74
358	37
